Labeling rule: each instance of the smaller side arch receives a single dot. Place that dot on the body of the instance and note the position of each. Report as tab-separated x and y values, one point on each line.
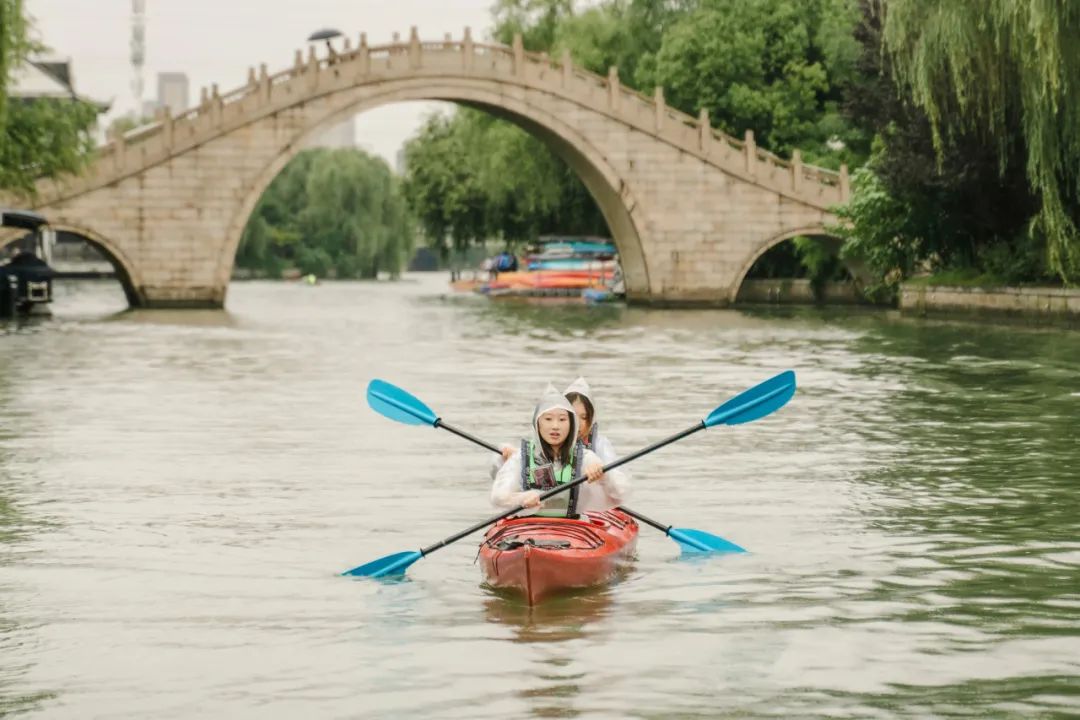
769	244
125	268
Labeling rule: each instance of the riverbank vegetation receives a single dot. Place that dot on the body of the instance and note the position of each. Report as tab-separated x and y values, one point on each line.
957	118
332	213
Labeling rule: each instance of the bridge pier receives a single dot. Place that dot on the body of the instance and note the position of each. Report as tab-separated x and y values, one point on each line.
181	298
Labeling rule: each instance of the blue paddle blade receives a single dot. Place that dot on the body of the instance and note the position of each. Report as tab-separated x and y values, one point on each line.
755	403
396	404
395	564
699	541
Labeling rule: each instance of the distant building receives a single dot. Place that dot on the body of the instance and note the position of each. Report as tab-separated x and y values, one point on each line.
399	161
47	79
172	91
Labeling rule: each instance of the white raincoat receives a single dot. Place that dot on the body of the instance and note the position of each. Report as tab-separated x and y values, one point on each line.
606	493
601	445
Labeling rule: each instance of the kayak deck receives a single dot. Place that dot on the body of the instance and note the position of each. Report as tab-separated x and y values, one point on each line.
539	556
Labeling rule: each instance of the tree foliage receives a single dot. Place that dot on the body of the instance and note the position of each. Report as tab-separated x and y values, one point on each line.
471	177
776	67
38	137
1008	73
769	65
330	212
933	205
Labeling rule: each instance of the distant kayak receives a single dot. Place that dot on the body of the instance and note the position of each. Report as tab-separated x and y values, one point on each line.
571	264
549	279
569	249
539	557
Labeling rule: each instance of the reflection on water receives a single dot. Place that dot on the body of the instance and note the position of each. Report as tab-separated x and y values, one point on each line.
178	492
565	617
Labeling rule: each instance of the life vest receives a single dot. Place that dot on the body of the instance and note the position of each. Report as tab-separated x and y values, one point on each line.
563	504
594	433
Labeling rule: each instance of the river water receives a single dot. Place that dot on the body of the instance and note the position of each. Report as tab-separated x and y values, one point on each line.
179	491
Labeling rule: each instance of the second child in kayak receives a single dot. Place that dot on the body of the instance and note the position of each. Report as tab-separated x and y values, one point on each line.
555	456
580	397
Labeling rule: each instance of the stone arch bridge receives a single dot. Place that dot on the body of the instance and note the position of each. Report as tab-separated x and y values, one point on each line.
689	208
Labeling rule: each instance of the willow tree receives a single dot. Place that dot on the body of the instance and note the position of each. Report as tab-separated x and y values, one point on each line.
989	67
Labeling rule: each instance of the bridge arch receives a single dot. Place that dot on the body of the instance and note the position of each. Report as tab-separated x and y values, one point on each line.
609	189
125	269
773	241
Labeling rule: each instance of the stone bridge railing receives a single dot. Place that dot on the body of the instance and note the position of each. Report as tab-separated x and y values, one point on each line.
264	94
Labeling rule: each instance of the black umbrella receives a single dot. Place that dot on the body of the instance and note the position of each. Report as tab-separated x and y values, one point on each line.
324	34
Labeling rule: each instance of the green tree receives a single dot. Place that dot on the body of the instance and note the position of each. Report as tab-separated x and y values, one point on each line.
442	184
1006	72
42	137
780	67
535	20
14	45
471	177
919	208
777	67
330	211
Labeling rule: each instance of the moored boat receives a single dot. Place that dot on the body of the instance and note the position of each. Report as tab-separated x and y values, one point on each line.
539	556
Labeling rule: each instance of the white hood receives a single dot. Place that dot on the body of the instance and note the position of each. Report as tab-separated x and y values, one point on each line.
552	399
581	387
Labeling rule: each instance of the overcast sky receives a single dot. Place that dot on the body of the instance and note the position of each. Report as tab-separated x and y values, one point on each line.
217	40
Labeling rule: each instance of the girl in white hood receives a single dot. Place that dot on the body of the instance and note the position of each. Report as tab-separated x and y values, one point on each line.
580	397
553	457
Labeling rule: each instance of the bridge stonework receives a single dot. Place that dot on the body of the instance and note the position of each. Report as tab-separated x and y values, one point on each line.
690	209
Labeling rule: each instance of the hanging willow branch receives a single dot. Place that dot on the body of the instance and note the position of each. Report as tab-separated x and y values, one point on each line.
994	67
13	45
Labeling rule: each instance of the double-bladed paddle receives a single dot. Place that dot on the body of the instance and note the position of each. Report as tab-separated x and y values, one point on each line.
391	401
397	404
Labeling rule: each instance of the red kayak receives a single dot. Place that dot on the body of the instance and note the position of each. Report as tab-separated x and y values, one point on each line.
540	556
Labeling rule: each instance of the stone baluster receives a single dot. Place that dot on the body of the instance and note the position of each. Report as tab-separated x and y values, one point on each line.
312	68
661	108
363	55
119	152
614	88
567	68
845	184
796	171
519	56
414	48
750	148
467	50
164	116
217	106
264	84
704	131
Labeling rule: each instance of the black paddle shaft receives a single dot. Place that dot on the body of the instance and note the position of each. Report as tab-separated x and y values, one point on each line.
461	433
666	529
556	490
